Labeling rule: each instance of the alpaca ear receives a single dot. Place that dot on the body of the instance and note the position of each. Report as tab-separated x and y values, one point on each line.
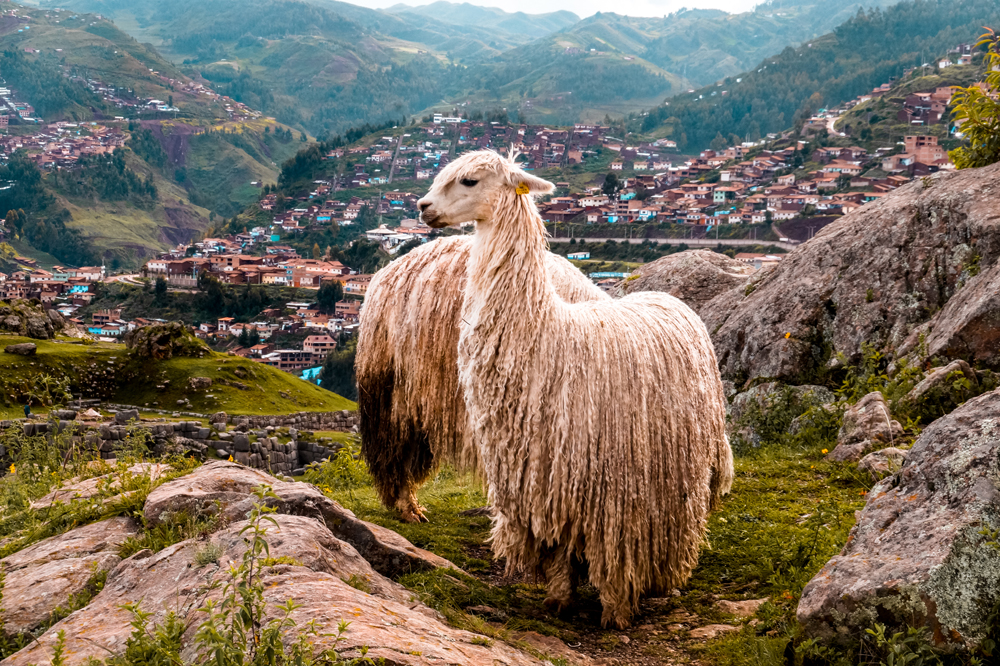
534	184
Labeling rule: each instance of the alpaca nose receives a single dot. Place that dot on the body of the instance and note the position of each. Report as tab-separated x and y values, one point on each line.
423	205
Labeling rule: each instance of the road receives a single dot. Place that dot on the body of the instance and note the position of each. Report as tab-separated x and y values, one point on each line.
129	279
690	242
395	154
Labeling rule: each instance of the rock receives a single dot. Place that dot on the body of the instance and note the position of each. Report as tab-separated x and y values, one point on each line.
56	318
938	393
694	276
917	555
64	414
22	349
851	452
324	581
163	341
869	419
552	647
883	274
42	576
81	490
747	407
199	383
222	453
229	486
740	608
38	326
218	417
126	416
708	632
883	462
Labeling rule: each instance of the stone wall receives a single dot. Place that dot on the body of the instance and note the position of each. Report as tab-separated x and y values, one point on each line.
258	447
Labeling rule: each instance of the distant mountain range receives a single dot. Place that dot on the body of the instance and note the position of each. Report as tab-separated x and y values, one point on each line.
326	65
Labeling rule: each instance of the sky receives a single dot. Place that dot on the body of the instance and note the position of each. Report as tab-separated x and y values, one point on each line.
584	8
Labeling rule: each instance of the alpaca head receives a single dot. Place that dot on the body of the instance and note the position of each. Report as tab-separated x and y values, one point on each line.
469	189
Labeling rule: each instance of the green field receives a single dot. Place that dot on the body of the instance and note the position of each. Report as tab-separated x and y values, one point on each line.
110	372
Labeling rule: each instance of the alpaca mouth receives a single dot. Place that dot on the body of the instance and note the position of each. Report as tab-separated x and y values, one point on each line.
433	221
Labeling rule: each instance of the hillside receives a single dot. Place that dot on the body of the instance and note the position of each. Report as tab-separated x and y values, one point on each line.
866	51
513	26
110	372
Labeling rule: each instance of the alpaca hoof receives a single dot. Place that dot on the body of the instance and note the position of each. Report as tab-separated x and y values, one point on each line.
610	618
415	516
556	606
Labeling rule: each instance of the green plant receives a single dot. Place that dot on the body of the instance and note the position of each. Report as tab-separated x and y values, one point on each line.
208	554
344	471
869	295
978	113
904	648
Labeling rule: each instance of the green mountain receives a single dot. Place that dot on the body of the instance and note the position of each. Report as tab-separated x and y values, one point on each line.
514	26
866	51
176	170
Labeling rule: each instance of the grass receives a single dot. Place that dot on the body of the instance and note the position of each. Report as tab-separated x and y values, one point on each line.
107	371
788	513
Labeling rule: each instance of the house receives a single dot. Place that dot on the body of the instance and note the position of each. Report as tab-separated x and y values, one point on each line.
319	344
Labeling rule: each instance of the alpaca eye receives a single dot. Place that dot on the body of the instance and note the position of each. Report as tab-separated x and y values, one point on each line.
468	182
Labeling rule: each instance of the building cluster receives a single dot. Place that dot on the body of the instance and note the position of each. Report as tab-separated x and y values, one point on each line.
66	289
61	145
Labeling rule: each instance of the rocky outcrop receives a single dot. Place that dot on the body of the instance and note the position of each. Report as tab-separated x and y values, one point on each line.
44	576
22	349
326	576
920	553
694	276
163	341
104	485
922	260
226	487
866	425
29	320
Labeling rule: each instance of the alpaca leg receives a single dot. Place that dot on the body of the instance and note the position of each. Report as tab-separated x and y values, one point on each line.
558	569
617	610
409	507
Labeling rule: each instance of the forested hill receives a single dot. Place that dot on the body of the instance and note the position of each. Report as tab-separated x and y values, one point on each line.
859	55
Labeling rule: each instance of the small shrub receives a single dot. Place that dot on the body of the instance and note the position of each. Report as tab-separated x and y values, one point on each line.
208	554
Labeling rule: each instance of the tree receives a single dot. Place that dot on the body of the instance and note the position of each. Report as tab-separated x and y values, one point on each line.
317	253
254	337
160	291
244	337
330	293
718	143
979	113
338	373
611	185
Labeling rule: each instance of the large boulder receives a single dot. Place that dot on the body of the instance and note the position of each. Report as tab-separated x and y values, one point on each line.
920	553
22	349
922	260
325	576
163	341
226	487
694	276
942	390
44	576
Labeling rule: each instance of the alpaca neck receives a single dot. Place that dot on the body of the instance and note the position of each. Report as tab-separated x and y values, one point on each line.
508	286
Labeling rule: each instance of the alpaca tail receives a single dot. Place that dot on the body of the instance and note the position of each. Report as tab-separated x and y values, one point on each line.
723	473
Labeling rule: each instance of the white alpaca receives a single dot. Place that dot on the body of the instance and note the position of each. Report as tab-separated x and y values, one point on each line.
411	407
601	425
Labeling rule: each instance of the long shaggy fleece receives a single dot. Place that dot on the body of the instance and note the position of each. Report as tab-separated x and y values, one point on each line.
601	425
412	410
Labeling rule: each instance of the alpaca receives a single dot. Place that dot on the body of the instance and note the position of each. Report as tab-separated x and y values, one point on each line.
412	410
601	425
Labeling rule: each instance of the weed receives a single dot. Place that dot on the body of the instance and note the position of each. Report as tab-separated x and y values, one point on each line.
345	471
359	583
869	295
208	554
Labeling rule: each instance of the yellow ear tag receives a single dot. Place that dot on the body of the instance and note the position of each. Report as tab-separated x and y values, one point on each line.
522	189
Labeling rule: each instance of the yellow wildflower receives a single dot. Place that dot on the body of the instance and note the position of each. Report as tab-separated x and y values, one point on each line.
12	469
231	458
824	452
788	335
